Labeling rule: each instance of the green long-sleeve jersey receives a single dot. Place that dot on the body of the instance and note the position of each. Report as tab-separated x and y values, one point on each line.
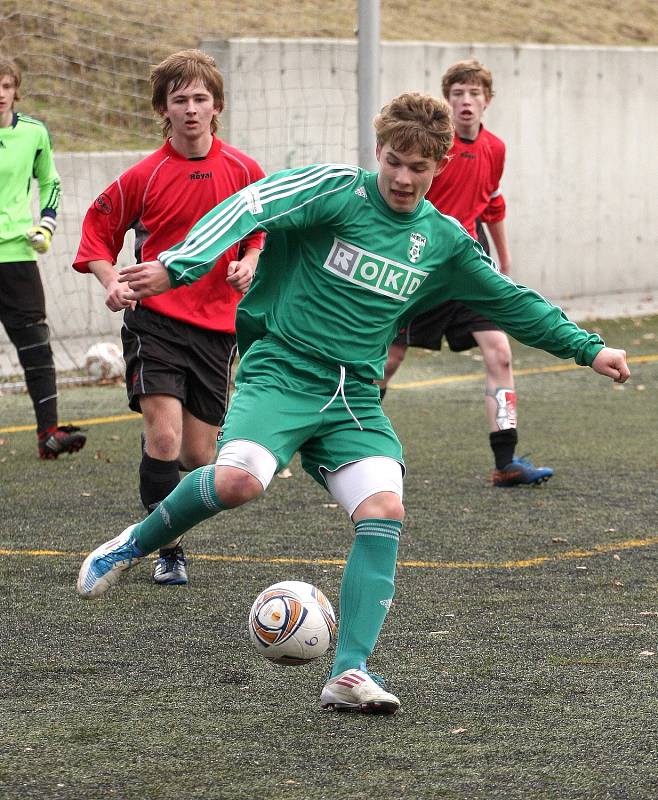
25	154
342	272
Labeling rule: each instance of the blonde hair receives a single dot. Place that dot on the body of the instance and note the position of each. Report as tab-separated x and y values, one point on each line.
468	71
179	70
415	121
9	67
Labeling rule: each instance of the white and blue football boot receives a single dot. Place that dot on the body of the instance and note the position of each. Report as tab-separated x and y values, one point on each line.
103	567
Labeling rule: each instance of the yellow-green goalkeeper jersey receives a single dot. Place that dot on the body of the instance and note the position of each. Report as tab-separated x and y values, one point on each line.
342	272
25	154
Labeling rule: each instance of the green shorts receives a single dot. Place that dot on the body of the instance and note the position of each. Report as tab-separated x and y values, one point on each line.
277	404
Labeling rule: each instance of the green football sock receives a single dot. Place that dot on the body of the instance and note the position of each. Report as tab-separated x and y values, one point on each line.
192	501
366	591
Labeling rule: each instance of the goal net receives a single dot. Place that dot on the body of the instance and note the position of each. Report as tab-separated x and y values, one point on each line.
85	74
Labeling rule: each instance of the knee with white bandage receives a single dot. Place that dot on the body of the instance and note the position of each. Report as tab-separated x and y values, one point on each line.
354	483
250	457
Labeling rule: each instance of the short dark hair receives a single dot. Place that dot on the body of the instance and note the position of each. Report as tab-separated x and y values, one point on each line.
179	70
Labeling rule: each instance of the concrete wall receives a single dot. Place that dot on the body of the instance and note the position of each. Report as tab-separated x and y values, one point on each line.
581	179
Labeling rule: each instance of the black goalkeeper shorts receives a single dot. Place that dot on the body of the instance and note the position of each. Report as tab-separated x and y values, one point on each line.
22	300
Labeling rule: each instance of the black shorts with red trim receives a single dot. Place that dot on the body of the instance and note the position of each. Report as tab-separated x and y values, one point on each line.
167	356
452	320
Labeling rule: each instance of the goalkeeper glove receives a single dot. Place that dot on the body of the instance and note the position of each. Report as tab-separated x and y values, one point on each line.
40	236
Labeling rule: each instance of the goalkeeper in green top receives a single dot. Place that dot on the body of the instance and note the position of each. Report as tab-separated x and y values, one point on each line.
351	256
25	153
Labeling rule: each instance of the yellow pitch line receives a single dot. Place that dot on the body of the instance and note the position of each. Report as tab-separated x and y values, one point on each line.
473	376
567	555
524	563
78	422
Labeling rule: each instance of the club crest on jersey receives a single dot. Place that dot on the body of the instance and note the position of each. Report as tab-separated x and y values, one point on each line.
373	272
103	204
417	243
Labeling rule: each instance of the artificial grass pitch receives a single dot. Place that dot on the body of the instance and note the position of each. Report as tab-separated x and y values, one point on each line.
522	642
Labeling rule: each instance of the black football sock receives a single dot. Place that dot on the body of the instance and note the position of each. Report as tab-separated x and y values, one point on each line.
157	479
503	444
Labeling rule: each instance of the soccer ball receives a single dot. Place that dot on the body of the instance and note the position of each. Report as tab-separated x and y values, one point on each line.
292	623
104	361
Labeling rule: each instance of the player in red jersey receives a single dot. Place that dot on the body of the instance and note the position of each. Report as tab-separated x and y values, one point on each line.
468	188
178	346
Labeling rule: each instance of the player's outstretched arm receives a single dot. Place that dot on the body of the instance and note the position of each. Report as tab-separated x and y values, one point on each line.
612	363
145	279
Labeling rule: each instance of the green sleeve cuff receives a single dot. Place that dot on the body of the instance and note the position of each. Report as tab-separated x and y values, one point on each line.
174	279
589	350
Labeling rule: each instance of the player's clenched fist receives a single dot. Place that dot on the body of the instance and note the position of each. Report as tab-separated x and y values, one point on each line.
240	274
612	362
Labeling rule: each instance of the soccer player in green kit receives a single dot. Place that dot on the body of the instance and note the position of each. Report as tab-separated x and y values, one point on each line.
350	257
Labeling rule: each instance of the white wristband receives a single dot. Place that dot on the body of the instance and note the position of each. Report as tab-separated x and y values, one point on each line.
49	223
